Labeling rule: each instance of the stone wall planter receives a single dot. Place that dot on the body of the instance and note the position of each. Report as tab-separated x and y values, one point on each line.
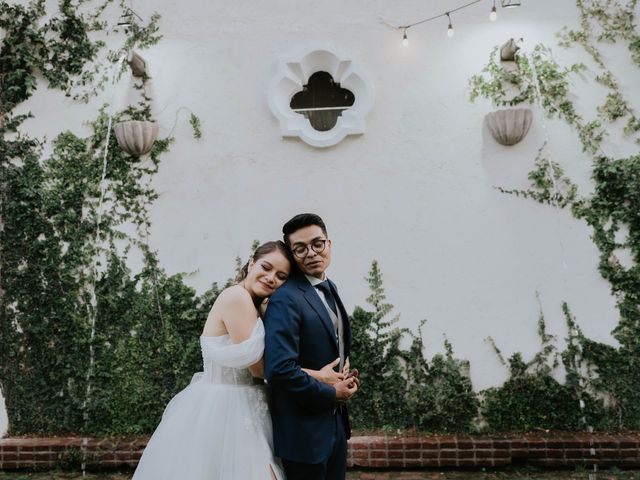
509	127
136	137
508	51
137	64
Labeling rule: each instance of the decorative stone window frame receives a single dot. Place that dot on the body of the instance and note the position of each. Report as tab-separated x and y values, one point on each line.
294	72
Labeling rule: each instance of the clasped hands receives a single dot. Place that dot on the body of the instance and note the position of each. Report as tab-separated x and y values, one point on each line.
346	382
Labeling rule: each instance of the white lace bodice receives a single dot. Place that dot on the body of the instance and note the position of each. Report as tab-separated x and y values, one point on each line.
225	362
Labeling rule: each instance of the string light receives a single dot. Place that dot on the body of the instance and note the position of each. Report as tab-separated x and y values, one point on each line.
510	3
450	31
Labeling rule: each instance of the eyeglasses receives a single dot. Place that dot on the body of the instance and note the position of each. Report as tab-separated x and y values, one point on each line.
318	246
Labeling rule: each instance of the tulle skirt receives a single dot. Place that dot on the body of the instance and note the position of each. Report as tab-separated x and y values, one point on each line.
212	432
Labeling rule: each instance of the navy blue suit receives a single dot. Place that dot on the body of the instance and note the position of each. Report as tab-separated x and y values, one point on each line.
300	334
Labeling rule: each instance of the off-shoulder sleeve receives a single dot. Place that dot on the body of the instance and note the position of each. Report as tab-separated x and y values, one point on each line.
235	355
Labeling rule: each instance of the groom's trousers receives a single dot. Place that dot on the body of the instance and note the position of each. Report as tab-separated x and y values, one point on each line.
333	468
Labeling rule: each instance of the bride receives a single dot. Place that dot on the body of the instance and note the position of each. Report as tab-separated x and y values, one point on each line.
218	427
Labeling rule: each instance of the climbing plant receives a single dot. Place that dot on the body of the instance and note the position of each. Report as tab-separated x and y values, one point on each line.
599	370
72	315
376	353
614	21
548	183
532	398
94	347
404	389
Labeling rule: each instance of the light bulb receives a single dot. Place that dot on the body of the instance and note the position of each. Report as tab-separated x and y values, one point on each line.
493	16
450	28
405	40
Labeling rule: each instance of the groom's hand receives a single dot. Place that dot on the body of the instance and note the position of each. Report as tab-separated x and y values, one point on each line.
345	389
354	375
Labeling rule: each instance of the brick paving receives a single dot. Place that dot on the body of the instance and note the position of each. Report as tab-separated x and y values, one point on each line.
552	450
401	453
517	474
476	475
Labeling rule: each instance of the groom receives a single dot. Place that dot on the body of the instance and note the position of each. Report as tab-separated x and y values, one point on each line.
307	327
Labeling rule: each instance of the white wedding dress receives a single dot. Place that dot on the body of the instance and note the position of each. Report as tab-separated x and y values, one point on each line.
218	428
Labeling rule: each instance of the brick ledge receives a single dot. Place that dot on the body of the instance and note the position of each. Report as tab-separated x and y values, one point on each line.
553	450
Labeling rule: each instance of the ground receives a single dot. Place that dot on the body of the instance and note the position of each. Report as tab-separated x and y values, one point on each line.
521	474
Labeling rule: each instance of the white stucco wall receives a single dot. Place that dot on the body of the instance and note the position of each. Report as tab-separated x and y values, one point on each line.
416	191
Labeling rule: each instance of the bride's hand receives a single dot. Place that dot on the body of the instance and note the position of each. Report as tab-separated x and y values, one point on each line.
327	374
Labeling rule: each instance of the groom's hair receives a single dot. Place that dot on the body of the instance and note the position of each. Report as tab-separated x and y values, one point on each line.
300	221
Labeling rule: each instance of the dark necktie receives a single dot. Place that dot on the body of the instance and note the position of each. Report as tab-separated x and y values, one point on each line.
325	288
331	301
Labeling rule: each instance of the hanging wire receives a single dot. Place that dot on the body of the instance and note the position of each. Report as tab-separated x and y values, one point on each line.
444	14
93	303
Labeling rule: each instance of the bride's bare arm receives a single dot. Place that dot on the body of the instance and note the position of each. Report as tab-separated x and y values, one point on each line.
238	314
327	374
257	369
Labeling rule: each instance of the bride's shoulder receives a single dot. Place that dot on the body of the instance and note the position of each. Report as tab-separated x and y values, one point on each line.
234	295
234	299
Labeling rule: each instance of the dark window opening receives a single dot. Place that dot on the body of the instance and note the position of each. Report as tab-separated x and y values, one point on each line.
322	101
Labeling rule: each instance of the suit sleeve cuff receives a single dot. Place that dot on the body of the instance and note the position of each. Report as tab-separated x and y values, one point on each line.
328	394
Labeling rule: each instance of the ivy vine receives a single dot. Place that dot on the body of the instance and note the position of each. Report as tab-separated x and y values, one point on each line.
549	184
411	391
615	21
63	248
595	371
142	328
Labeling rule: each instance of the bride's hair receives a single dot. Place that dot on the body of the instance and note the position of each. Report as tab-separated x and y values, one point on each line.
260	252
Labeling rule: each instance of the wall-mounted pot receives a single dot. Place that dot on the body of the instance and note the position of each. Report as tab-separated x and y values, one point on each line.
510	126
136	137
137	64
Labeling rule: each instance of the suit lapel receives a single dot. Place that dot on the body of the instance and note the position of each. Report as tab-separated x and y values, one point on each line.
311	296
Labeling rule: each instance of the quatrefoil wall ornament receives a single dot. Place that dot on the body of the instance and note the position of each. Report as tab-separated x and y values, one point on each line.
293	75
322	101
